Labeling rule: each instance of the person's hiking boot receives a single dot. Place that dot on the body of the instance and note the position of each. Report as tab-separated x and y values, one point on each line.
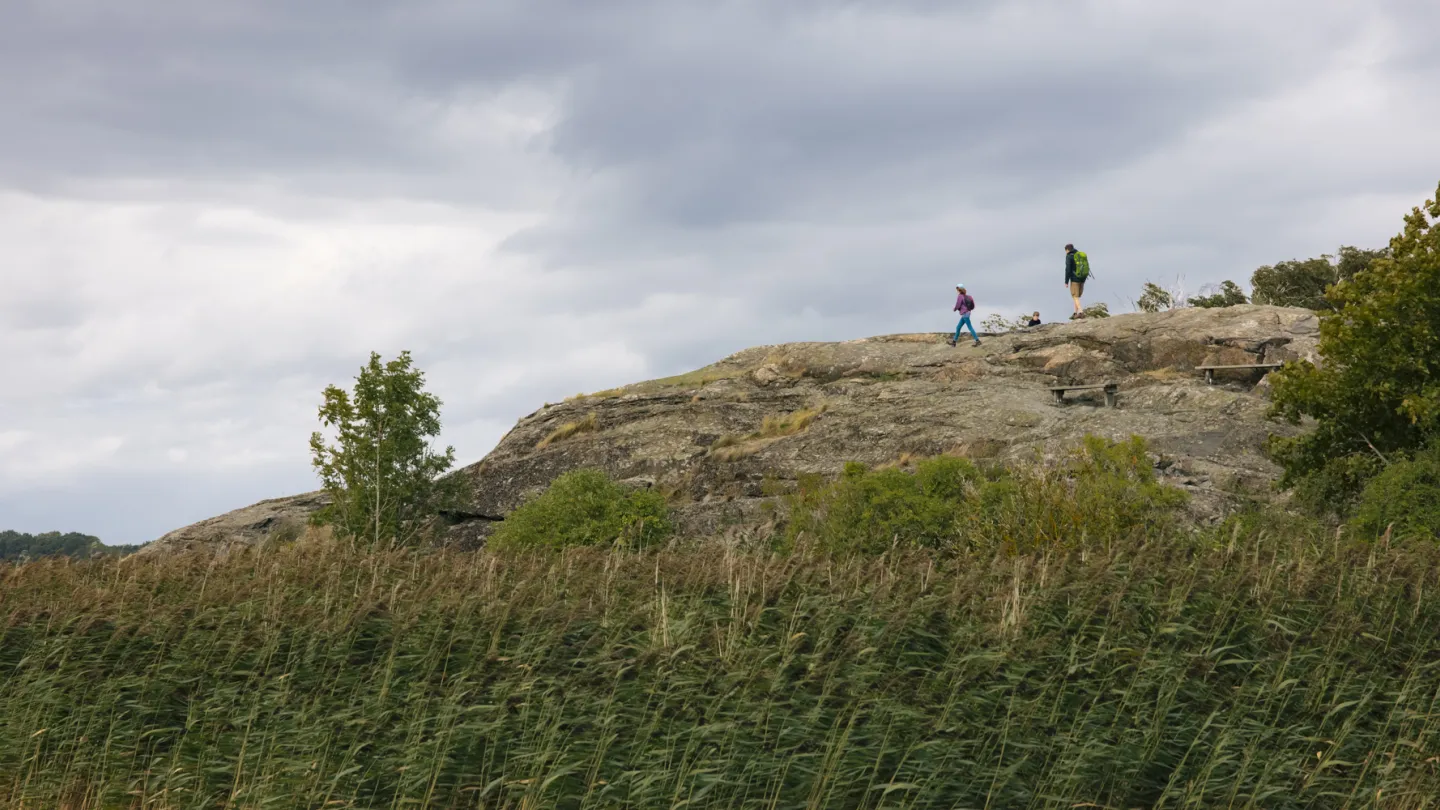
949	341
1074	315
977	341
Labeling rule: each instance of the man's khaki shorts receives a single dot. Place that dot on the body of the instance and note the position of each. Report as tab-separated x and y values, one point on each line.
1077	289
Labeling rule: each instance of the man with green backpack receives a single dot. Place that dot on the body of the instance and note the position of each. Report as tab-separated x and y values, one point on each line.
1077	269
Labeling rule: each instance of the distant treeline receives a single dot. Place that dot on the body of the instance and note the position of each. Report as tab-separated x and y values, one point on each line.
19	545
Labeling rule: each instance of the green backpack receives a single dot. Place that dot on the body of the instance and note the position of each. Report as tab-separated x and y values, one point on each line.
1082	266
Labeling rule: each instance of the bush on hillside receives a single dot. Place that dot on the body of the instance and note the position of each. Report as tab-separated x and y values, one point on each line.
1377	393
1154	298
1403	499
1101	490
1228	295
586	508
870	511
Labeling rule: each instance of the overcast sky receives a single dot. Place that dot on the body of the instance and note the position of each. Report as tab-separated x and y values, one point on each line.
209	211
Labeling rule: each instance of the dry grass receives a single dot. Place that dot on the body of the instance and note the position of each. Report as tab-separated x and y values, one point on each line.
587	425
773	427
900	462
698	378
912	337
1166	374
733	447
735	452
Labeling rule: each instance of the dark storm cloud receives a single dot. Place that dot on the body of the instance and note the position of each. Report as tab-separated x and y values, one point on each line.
781	105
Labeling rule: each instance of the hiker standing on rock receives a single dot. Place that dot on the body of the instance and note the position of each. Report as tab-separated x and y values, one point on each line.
964	305
1077	269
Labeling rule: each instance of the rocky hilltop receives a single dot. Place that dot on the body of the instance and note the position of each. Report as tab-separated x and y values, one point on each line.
724	439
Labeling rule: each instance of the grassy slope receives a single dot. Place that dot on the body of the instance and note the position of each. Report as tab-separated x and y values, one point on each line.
1268	674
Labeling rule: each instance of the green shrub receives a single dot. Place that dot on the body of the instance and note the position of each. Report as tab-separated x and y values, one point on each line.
870	511
586	508
1102	490
1154	298
1406	496
1377	393
1229	294
1333	488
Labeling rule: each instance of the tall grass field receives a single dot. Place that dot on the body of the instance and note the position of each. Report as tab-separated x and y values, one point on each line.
1242	670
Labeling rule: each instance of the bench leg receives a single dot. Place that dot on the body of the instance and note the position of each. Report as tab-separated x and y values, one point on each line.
1109	399
1209	376
1059	397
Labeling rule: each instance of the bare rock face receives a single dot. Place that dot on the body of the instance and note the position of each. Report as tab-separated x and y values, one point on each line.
275	518
724	439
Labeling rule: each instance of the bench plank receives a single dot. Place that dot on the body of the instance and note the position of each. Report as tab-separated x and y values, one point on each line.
1109	388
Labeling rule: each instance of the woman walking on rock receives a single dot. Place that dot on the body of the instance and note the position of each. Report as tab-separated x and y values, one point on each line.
964	305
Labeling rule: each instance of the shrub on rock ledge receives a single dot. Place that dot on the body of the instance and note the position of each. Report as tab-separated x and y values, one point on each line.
1100	491
586	508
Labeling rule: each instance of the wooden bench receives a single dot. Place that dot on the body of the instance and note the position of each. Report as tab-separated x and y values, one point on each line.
1109	388
1210	370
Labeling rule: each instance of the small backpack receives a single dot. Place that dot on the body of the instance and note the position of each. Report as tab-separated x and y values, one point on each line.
970	301
1082	266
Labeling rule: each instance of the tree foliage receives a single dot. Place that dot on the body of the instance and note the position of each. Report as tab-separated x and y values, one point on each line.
1154	298
1100	310
999	324
1228	295
1303	283
383	476
1376	399
20	545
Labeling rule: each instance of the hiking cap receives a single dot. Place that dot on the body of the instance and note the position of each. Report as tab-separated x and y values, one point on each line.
959	286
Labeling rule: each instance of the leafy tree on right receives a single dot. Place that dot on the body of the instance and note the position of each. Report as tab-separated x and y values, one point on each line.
1303	283
1376	399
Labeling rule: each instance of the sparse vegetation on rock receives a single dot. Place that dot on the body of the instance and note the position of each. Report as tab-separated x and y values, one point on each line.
586	508
1154	298
949	504
1228	294
587	425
